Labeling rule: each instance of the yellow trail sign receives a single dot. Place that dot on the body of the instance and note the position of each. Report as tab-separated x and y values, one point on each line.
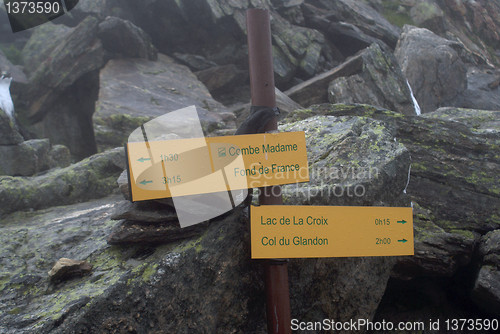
183	167
283	231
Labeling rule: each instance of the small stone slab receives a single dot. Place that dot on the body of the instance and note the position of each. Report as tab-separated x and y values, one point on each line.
67	268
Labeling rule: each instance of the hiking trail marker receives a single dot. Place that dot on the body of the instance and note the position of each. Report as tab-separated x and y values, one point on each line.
183	167
283	231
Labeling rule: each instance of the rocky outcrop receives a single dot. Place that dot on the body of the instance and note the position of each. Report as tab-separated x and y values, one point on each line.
31	157
432	66
455	198
133	91
93	177
122	38
379	82
372	76
62	73
474	24
341	175
63	67
342	19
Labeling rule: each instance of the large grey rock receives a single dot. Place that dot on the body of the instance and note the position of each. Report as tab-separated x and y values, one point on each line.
352	161
26	158
432	66
93	177
428	14
123	38
133	91
341	20
43	41
453	183
63	84
297	50
75	53
216	30
379	82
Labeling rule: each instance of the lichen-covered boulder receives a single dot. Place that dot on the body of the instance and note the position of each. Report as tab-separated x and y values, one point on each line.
93	177
453	181
352	161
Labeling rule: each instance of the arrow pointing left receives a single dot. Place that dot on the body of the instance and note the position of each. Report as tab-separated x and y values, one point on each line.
143	159
144	182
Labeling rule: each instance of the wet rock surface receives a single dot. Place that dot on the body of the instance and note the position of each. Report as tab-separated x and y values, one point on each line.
133	91
433	67
455	199
379	82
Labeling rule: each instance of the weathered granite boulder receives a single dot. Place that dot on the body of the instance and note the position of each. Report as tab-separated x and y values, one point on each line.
432	66
61	66
122	38
43	40
31	157
216	30
352	161
340	20
453	183
93	177
133	91
474	24
67	57
379	82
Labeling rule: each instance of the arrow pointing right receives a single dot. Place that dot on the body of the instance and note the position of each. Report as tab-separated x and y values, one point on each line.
401	221
402	240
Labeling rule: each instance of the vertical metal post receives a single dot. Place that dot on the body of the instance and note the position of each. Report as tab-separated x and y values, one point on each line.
262	89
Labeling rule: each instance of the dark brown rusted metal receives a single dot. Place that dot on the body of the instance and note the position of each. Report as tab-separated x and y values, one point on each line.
260	58
262	89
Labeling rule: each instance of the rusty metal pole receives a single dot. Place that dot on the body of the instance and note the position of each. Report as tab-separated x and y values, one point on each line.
262	89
